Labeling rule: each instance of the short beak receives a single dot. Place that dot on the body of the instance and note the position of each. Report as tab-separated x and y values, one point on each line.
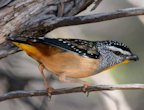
132	58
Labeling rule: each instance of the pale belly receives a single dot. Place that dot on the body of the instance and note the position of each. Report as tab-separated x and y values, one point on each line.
72	64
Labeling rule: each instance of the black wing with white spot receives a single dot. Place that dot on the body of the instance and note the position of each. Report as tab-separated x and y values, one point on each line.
82	47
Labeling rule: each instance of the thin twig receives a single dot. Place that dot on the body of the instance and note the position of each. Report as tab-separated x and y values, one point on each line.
77	20
96	4
18	94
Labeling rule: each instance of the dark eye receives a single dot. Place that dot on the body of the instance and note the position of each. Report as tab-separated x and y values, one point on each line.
117	52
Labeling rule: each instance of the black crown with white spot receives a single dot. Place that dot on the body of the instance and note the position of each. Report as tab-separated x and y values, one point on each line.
114	43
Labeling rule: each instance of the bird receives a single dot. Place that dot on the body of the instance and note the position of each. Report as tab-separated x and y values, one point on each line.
74	58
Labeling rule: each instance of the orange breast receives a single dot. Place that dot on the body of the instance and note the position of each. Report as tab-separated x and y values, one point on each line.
72	64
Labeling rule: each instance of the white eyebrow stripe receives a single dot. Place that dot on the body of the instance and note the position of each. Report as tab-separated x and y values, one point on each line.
120	50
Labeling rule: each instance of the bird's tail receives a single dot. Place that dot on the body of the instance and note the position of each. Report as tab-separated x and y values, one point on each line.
24	43
24	39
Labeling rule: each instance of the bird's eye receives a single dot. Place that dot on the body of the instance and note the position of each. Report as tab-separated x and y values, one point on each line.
117	52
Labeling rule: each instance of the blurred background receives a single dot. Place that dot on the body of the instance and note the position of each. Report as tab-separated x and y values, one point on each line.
20	72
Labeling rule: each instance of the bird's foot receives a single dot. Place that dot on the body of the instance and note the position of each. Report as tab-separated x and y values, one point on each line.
49	91
85	87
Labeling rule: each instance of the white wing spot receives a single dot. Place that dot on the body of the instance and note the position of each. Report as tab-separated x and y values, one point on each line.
34	40
41	38
84	53
60	40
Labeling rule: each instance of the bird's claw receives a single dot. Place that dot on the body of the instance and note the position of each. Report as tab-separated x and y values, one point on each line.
84	89
49	91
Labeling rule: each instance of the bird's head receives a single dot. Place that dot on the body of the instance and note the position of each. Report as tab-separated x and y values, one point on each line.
113	53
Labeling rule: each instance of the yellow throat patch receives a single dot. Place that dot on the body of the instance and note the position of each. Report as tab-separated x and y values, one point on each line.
125	61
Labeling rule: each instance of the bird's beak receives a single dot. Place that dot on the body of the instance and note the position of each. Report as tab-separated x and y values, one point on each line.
132	57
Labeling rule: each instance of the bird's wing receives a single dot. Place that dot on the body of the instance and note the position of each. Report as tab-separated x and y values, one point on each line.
82	47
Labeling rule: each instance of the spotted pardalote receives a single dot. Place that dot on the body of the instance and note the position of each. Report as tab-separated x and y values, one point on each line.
74	58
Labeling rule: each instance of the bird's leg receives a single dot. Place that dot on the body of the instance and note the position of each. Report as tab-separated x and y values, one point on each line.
63	76
41	68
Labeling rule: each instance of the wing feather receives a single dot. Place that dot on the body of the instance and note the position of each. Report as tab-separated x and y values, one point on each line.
81	47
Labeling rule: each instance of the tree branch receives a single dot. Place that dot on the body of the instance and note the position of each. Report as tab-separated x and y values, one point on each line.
77	20
19	94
